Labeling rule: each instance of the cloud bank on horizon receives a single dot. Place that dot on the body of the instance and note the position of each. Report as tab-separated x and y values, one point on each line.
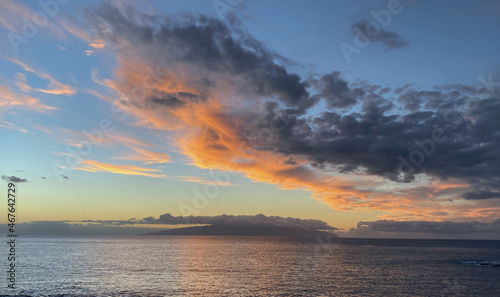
226	220
377	229
135	226
425	229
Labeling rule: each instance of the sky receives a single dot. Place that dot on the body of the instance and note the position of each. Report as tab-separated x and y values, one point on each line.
376	118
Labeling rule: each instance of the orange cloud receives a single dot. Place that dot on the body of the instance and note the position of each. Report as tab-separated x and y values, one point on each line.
12	99
199	180
146	157
95	166
96	45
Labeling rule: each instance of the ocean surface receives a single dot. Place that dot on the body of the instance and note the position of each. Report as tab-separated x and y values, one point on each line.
252	266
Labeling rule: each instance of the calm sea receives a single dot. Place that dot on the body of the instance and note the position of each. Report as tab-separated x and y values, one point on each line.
252	266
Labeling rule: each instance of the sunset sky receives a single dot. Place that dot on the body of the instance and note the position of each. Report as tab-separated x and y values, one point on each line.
340	111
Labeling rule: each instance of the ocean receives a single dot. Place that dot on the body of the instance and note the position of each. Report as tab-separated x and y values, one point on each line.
252	266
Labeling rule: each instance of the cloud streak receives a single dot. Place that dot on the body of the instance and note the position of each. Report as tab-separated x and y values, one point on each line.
146	157
95	166
54	87
12	99
13	13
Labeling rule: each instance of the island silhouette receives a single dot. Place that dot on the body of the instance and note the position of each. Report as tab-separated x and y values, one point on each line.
227	230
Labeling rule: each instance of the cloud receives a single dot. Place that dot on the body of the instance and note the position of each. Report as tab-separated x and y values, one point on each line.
336	91
75	29
226	220
54	87
146	156
253	67
14	179
199	180
8	125
95	166
14	15
390	40
21	83
96	45
481	195
232	104
141	151
98	138
429	228
5	15
12	99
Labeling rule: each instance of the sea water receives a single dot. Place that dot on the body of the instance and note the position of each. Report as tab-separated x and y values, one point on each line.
252	266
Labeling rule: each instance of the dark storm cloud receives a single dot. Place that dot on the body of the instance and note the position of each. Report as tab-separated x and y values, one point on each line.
229	220
390	40
14	179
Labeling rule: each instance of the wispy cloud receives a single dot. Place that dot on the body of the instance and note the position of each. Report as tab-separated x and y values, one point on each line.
13	14
95	166
199	180
75	29
108	140
8	125
12	99
54	87
146	156
21	83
